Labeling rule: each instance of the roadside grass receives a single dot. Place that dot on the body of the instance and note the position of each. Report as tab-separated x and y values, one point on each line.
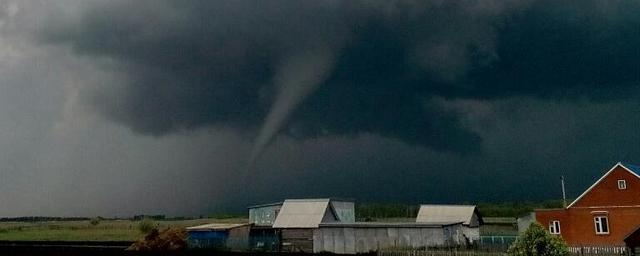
106	230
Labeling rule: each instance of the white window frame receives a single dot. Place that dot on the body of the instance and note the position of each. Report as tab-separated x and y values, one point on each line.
623	183
597	221
554	227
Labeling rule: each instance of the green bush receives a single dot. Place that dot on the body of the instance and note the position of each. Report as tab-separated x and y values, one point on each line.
536	241
146	225
94	221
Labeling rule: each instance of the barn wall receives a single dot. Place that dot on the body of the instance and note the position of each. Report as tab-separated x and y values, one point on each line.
297	240
471	233
264	239
238	239
352	240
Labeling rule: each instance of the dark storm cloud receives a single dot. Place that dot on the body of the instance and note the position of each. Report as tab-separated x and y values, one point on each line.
403	101
202	63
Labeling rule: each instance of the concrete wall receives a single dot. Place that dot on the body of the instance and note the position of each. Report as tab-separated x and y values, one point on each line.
352	240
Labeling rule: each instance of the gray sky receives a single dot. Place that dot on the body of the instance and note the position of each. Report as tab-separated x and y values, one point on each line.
117	108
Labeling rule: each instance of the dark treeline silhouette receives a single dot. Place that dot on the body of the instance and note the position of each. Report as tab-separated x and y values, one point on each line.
41	218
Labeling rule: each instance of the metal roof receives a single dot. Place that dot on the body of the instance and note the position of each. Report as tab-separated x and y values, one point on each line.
264	205
633	168
446	213
389	224
216	226
301	213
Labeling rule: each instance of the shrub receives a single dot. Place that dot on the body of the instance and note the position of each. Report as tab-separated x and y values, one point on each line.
146	225
94	221
536	241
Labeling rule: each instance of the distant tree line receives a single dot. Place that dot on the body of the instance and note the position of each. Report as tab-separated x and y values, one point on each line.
515	209
41	218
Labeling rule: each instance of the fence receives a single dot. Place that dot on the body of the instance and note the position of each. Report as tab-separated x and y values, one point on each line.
598	251
577	251
438	253
496	243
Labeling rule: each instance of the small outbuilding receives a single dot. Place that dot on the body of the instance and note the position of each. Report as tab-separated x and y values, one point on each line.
220	236
298	218
466	214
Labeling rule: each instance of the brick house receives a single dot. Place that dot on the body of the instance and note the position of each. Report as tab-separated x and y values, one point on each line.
603	215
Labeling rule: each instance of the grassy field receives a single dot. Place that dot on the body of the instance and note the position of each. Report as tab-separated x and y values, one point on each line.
106	230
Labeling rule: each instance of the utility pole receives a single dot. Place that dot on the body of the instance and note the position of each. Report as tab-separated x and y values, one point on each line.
564	195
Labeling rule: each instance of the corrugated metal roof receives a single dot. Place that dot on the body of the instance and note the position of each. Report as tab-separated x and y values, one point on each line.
216	226
389	224
301	213
264	205
446	213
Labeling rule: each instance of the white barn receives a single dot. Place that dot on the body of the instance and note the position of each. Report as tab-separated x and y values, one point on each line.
467	214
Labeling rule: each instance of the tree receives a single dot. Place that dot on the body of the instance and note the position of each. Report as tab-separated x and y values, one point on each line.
536	241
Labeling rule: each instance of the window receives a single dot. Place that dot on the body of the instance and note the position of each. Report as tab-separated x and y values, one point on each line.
554	227
622	184
602	225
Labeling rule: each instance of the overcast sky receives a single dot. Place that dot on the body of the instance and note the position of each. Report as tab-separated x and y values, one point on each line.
121	107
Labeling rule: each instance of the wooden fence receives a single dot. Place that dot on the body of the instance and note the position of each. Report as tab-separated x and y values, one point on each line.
576	251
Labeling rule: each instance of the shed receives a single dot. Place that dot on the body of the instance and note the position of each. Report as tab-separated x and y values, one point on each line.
221	236
467	214
298	217
365	237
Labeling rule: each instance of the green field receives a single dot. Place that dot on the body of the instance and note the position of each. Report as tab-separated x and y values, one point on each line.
106	230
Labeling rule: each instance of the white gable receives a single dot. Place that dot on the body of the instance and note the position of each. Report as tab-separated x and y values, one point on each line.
304	213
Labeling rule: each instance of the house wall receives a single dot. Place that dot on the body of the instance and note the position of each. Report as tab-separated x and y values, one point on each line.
606	193
352	240
577	226
621	206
